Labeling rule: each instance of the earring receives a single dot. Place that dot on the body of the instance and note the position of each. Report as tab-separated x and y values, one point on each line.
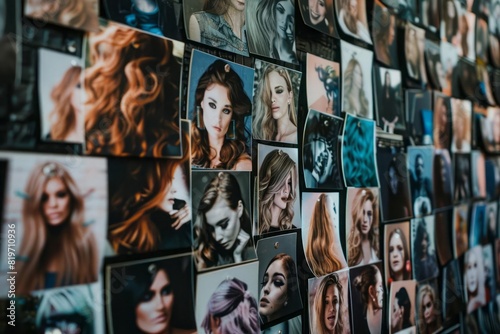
199	118
286	303
231	131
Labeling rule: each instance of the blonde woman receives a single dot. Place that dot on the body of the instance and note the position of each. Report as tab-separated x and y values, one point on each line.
328	306
355	100
77	14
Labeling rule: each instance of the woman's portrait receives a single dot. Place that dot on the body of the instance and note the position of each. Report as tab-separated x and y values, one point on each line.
461	223
442	179
231	309
483	88
482	40
397	252
449	59
151	296
271	29
462	186
442	121
478	172
464	41
362	225
429	309
430	14
424	256
275	103
277	185
217	23
402	306
389	93
59	209
414	53
384	35
474	279
494	128
329	303
219	98
435	72
451	292
494	50
420	161
320	237
132	110
461	116
367	299
323	85
222	227
357	80
322	167
351	16
76	14
61	97
318	14
358	153
450	18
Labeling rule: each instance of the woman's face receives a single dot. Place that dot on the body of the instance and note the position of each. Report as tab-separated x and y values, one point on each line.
331	305
225	222
178	186
285	20
379	291
217	111
317	11
282	197
366	223
76	97
154	311
396	314
56	202
396	253
428	309
353	7
392	30
280	96
472	279
425	243
239	5
274	292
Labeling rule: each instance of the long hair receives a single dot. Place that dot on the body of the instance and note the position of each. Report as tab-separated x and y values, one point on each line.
264	126
364	281
450	24
217	7
405	302
64	116
355	253
235	307
320	240
262	29
351	22
441	138
417	244
276	167
460	115
319	304
349	83
73	13
406	272
381	29
133	94
221	73
224	186
71	245
422	325
480	291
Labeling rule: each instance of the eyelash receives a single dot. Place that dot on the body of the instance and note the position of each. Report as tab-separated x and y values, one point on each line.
281	9
214	106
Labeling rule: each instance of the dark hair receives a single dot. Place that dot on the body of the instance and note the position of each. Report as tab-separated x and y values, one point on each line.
406	272
364	281
419	237
404	301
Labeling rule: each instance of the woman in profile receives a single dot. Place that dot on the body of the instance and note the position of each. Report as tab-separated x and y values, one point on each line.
354	97
218	128
401	311
370	286
57	247
275	113
328	306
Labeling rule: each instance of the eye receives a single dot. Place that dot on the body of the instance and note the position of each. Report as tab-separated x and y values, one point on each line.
167	290
147	296
212	105
279	90
278	283
44	198
264	281
391	249
61	194
280	9
226	111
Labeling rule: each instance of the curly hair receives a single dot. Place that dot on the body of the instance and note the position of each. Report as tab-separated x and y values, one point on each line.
232	151
348	86
76	14
235	308
133	94
265	126
275	169
319	304
423	327
320	240
355	252
70	244
363	282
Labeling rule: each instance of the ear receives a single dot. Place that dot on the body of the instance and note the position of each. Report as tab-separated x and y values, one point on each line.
372	293
240	208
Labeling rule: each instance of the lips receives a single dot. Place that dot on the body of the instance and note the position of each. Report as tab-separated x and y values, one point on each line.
314	16
160	319
264	302
218	129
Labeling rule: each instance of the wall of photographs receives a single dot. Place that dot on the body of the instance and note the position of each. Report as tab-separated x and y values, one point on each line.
274	166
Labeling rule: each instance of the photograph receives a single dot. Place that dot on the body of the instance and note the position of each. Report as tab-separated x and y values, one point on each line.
323	85
489	273
494	49
117	121
362	228
397	256
442	121
270	28
443	228
220	110
384	34
420	159
58	205
483	89
60	96
402	307
477	224
367	299
450	17
435	73
418	108
451	292
429	307
482	40
461	124
494	17
321	144
319	15
462	189
442	179
393	176
493	130
430	14
279	295
275	103
449	60
320	233
226	300
278	201
478	172
491	222
464	40
358	153
414	54
389	99
461	224
425	264
218	24
329	303
222	230
474	278
352	19
152	295
157	17
357	96
76	14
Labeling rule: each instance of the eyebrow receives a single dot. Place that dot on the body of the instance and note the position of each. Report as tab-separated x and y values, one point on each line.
279	274
221	221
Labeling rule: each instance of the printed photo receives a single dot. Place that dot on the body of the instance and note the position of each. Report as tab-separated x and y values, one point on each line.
429	307
318	14
435	73
442	179
414	54
493	129
491	221
461	223
494	18
494	49
351	16
420	169
482	40
425	264
462	189
478	172
450	17
402	307
453	300
443	228
442	121
323	86
489	273
478	224
484	92
389	99
397	256
462	129
474	278
385	35
418	105
429	12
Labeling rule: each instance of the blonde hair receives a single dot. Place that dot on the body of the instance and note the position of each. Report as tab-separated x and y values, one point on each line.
319	304
349	83
73	13
461	115
422	292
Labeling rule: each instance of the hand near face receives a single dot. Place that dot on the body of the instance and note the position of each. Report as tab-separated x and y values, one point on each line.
242	241
181	216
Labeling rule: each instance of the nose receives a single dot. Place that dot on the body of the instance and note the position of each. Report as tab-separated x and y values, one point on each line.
52	202
158	303
314	6
218	236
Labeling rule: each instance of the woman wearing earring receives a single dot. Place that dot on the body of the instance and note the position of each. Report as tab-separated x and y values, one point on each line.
363	236
57	248
328	306
275	113
398	256
218	129
430	319
369	285
355	101
223	229
277	192
319	15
